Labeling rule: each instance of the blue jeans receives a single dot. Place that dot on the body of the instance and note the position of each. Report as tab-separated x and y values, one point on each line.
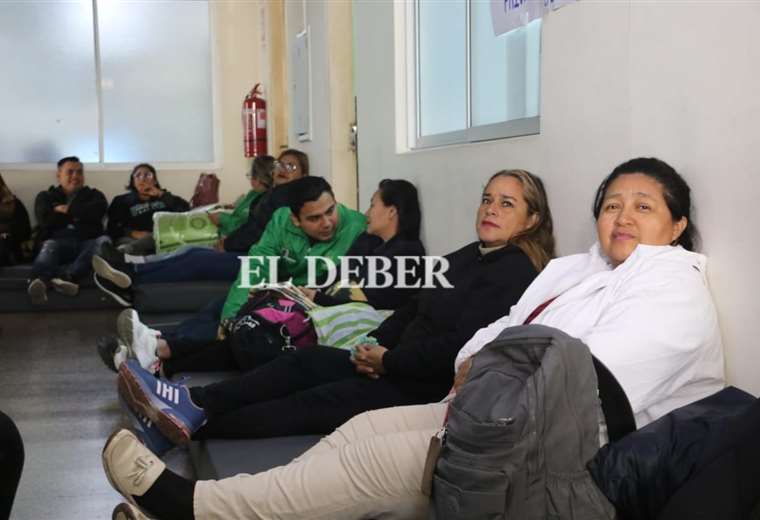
194	264
197	332
68	258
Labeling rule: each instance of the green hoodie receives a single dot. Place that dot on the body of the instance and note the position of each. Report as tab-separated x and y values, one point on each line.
284	239
229	222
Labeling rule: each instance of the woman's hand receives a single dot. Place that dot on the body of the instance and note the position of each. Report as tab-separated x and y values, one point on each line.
137	235
461	375
309	293
368	360
154	191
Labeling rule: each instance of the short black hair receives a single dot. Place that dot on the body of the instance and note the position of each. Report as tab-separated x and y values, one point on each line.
306	189
675	190
71	158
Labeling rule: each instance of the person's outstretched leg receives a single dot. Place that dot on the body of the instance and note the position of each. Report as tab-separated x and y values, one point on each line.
216	357
179	411
196	264
82	264
11	463
142	478
380	422
377	476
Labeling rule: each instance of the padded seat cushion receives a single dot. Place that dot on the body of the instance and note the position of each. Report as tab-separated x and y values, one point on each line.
219	458
13	296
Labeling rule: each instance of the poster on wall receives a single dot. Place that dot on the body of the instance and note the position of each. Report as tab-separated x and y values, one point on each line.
511	14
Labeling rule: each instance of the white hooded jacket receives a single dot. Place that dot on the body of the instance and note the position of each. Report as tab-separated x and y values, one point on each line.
651	321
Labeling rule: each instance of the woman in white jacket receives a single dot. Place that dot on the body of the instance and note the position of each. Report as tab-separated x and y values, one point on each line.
639	299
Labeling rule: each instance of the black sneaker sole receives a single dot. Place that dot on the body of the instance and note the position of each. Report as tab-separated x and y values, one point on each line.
106	349
104	269
116	296
131	390
126	511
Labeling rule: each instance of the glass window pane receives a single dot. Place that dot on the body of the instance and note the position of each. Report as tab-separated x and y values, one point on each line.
47	98
505	69
156	78
442	37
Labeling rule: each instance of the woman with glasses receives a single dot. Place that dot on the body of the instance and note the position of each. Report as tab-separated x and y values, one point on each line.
260	178
115	276
289	166
130	216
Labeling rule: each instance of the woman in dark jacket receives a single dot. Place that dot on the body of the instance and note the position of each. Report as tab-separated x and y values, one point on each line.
314	390
14	226
393	231
130	216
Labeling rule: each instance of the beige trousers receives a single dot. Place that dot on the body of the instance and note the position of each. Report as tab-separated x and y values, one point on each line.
370	467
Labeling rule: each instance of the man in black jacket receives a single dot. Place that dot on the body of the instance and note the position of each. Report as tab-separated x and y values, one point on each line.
70	217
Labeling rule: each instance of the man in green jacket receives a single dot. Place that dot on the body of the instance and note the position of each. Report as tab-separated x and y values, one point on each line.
314	224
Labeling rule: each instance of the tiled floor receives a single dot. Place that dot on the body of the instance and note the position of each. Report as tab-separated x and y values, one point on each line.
63	399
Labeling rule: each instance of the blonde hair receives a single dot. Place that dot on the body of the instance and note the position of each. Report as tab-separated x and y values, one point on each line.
537	241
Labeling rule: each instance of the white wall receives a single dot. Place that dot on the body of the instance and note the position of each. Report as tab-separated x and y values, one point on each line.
300	14
237	68
676	80
332	107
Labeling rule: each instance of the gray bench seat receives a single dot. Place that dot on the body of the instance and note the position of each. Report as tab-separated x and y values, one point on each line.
218	458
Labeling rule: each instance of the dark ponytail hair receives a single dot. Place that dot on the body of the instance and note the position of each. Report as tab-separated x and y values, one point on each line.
675	190
402	195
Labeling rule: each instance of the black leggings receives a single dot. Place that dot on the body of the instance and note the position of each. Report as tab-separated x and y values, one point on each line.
11	463
310	391
242	352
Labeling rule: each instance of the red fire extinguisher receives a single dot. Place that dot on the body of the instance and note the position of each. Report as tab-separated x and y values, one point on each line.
254	123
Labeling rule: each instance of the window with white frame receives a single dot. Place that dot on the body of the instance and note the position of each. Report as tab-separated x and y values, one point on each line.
111	81
470	84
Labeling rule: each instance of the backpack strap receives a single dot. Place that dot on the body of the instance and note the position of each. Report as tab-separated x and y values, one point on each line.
615	405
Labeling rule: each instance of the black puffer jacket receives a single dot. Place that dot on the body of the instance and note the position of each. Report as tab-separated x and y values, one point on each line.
391	297
84	219
425	336
244	237
698	461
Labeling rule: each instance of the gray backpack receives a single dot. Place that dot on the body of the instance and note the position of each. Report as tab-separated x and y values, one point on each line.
520	432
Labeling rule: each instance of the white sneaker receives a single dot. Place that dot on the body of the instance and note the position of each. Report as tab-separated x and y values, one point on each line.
37	291
65	287
141	340
130	467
